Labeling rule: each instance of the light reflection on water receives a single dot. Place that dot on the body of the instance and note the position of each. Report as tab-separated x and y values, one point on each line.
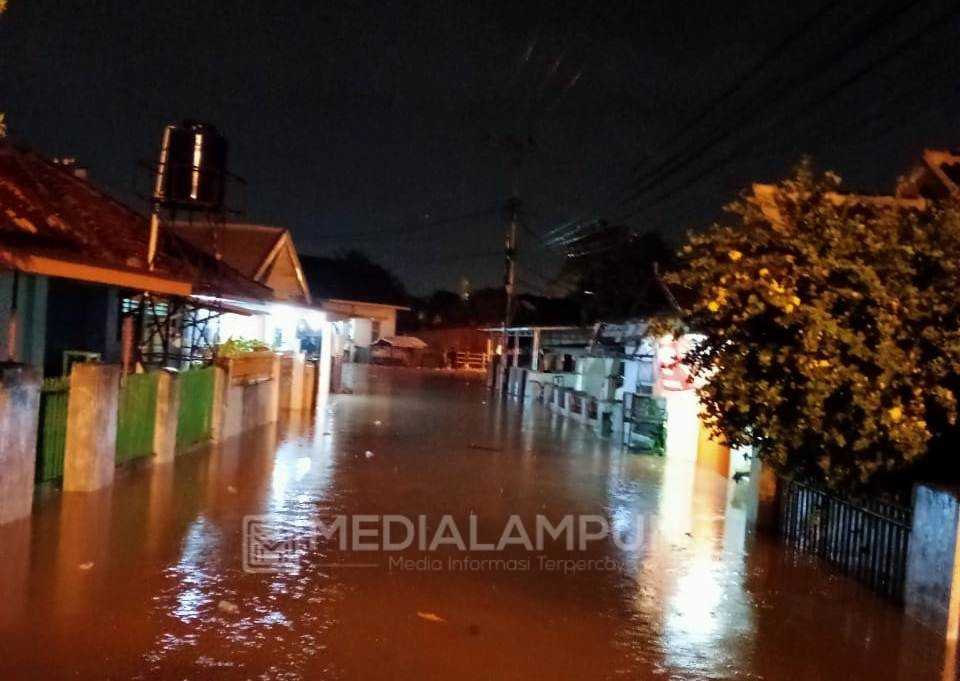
698	599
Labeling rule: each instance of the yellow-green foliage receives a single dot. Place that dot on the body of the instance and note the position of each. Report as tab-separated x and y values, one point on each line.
239	346
832	333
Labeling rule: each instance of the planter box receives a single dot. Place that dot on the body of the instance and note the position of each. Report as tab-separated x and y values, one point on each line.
248	368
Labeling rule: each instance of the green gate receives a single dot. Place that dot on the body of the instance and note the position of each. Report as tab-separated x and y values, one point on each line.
52	430
195	418
136	416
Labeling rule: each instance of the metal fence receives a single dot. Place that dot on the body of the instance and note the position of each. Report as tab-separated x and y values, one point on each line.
867	541
136	416
471	360
52	428
195	418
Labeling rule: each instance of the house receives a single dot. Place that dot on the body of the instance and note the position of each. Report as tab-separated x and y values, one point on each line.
397	351
361	292
73	268
288	320
264	253
364	324
936	176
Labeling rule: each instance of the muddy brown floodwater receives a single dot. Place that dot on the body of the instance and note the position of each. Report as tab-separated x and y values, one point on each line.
146	580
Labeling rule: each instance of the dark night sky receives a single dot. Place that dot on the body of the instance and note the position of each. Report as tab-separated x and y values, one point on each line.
356	118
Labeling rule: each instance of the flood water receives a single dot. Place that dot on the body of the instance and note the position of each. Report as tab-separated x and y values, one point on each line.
146	580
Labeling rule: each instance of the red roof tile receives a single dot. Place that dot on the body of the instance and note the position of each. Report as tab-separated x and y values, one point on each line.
46	210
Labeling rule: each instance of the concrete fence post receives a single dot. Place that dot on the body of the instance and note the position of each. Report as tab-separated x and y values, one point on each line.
91	453
218	413
19	409
309	386
165	423
297	382
271	403
233	406
932	590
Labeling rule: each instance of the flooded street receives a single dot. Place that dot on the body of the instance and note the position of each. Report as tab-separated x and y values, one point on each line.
146	580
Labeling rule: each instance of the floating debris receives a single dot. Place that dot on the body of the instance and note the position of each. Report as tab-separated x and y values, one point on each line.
368	454
228	608
431	617
486	448
86	566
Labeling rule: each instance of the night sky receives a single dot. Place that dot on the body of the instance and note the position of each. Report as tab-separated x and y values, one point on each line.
353	121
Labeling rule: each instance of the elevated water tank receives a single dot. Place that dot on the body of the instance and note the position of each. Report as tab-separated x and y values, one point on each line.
192	170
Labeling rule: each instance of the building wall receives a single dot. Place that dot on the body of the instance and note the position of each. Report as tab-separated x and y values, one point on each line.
81	316
388	324
282	278
362	332
592	375
238	326
461	339
31	316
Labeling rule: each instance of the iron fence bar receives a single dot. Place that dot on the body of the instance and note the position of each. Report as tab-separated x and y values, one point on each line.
866	540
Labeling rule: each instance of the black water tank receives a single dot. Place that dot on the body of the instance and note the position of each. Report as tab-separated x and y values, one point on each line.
193	167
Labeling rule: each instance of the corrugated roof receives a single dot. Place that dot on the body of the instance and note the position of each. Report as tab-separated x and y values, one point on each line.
45	210
406	342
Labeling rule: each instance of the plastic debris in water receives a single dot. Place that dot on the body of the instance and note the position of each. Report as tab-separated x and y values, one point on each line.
86	566
228	607
232	489
368	454
378	422
431	617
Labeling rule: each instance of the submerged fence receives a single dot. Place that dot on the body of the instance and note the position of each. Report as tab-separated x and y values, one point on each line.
136	416
868	542
52	428
195	418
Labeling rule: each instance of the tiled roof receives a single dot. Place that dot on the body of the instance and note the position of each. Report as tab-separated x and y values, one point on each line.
45	210
245	247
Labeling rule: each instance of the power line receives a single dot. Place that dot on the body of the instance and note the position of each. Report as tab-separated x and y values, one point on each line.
453	258
734	87
409	227
812	72
770	55
939	22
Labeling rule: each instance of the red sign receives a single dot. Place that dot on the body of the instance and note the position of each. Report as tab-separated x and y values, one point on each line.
674	374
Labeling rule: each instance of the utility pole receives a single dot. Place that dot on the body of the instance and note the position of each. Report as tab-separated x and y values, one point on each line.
515	149
510	258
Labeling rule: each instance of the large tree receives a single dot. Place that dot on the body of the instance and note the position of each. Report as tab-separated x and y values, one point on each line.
832	328
353	276
610	269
